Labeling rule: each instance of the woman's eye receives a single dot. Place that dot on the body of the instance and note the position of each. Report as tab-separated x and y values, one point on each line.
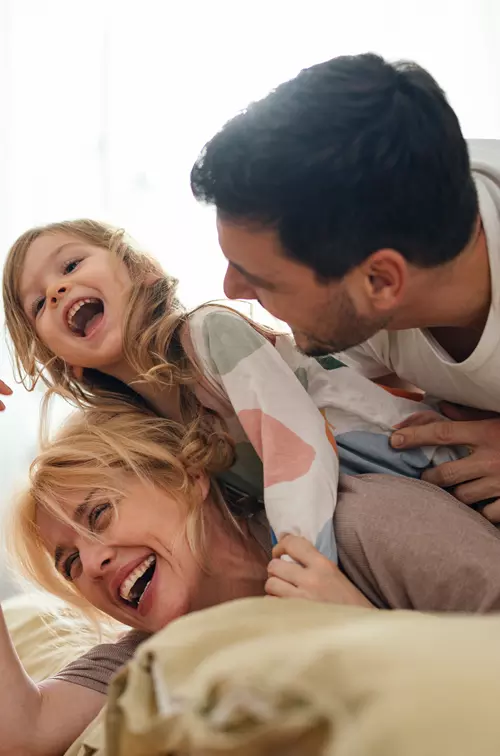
100	516
70	266
70	565
37	306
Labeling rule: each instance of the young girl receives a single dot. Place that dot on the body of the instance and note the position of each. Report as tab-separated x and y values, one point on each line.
90	314
76	532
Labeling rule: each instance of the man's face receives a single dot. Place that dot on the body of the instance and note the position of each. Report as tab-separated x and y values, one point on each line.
324	316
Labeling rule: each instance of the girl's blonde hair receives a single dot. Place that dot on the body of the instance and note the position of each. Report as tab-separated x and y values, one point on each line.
151	337
89	453
154	315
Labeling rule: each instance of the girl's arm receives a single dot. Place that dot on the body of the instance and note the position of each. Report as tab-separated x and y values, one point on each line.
310	576
44	719
280	419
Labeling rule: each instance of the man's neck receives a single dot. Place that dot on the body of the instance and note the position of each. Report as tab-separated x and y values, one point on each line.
456	302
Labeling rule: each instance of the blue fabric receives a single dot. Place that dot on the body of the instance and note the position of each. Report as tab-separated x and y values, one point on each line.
362	452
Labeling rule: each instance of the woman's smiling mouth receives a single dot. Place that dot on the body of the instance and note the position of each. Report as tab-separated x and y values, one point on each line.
134	586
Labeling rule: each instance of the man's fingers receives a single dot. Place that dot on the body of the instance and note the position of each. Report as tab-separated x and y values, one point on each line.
276	587
418	418
4	389
475	491
297	547
492	511
457	412
291	572
442	433
2	406
460	471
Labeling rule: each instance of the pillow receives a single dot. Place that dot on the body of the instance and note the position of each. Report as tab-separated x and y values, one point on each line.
46	636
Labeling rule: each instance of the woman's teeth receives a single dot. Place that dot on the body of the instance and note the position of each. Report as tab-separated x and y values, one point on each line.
132	588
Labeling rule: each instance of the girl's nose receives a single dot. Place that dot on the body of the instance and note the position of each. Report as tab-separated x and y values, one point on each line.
57	293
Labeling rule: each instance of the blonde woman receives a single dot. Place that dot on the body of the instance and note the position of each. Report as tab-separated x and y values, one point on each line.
124	518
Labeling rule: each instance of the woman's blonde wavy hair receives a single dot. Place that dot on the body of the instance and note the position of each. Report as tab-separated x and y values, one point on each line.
88	453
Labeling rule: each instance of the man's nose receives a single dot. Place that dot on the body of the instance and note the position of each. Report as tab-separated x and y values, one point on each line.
236	286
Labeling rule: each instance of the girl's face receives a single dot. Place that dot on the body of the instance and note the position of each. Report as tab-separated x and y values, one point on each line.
75	294
131	561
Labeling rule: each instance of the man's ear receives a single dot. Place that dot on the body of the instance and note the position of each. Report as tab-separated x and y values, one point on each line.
385	274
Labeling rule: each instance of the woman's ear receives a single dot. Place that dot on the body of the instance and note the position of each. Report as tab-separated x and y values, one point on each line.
203	483
154	274
77	372
152	278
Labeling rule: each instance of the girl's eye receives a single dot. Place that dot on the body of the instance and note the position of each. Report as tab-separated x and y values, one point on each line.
37	306
100	517
70	266
69	568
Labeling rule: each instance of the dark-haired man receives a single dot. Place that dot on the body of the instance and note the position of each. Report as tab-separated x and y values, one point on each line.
350	206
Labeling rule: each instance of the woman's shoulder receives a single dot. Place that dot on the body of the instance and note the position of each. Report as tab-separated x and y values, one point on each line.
96	667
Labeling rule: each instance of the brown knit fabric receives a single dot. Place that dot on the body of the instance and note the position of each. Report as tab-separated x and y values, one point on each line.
404	543
409	545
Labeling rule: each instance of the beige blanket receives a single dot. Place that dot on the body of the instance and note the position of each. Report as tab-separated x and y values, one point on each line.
264	676
47	636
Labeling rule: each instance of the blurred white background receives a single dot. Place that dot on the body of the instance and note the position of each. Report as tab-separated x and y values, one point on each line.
104	105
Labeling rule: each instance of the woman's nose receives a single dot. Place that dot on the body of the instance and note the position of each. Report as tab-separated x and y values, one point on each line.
57	293
96	558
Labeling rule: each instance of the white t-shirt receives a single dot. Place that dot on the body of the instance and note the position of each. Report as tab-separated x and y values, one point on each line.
414	355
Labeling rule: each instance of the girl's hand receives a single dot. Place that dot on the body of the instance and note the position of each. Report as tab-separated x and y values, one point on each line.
4	391
310	576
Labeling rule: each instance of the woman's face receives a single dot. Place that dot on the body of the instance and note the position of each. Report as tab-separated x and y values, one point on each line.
131	561
75	294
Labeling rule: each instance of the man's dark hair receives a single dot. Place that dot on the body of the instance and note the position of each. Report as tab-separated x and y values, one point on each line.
353	155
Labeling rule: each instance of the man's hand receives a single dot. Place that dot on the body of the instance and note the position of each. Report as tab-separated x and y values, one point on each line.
310	576
474	478
4	391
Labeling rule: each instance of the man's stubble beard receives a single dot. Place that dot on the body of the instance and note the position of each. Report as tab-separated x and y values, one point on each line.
353	329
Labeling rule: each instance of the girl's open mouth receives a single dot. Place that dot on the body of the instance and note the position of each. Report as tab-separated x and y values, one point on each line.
84	316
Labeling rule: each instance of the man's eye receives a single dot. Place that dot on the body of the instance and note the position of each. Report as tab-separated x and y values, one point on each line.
70	266
70	565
